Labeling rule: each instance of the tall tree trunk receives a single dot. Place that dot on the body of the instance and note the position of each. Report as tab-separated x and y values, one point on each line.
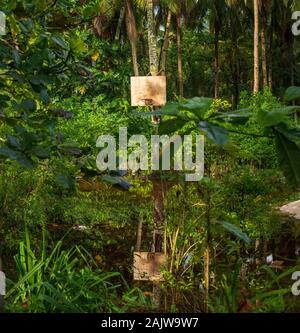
164	51
157	186
264	49
235	63
256	46
291	60
216	60
158	213
152	42
132	35
120	22
1	296
179	50
271	42
157	193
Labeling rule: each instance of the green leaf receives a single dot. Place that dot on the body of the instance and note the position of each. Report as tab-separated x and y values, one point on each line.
271	118
170	109
26	25
65	181
58	40
44	96
17	156
292	134
3	100
16	57
70	148
289	157
292	94
40	80
233	229
219	135
198	106
13	142
41	152
171	125
77	45
29	105
116	181
239	117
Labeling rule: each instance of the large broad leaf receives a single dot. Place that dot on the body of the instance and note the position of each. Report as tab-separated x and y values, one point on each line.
233	229
70	148
238	117
65	181
289	157
58	40
171	125
217	134
17	156
271	118
41	152
292	94
13	142
276	116
292	134
198	106
170	109
16	57
29	105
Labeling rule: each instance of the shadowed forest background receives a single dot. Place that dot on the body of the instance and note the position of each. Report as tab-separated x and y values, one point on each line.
68	231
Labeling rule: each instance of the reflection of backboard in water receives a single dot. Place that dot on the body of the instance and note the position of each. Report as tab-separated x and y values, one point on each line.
2	284
2	23
148	91
147	266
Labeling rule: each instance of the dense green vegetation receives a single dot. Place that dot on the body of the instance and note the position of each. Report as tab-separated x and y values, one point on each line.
68	231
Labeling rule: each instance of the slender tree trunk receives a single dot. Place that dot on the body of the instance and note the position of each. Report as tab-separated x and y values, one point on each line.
216	60
271	42
264	49
256	46
139	234
235	63
1	296
152	42
132	35
157	194
158	213
165	47
179	50
120	22
292	61
292	69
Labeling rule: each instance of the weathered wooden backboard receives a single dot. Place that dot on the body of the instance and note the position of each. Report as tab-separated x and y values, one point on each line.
148	90
147	266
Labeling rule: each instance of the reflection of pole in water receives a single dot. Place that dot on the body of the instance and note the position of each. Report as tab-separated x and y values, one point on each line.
2	281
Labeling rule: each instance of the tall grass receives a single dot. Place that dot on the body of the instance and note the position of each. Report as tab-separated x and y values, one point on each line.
63	281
